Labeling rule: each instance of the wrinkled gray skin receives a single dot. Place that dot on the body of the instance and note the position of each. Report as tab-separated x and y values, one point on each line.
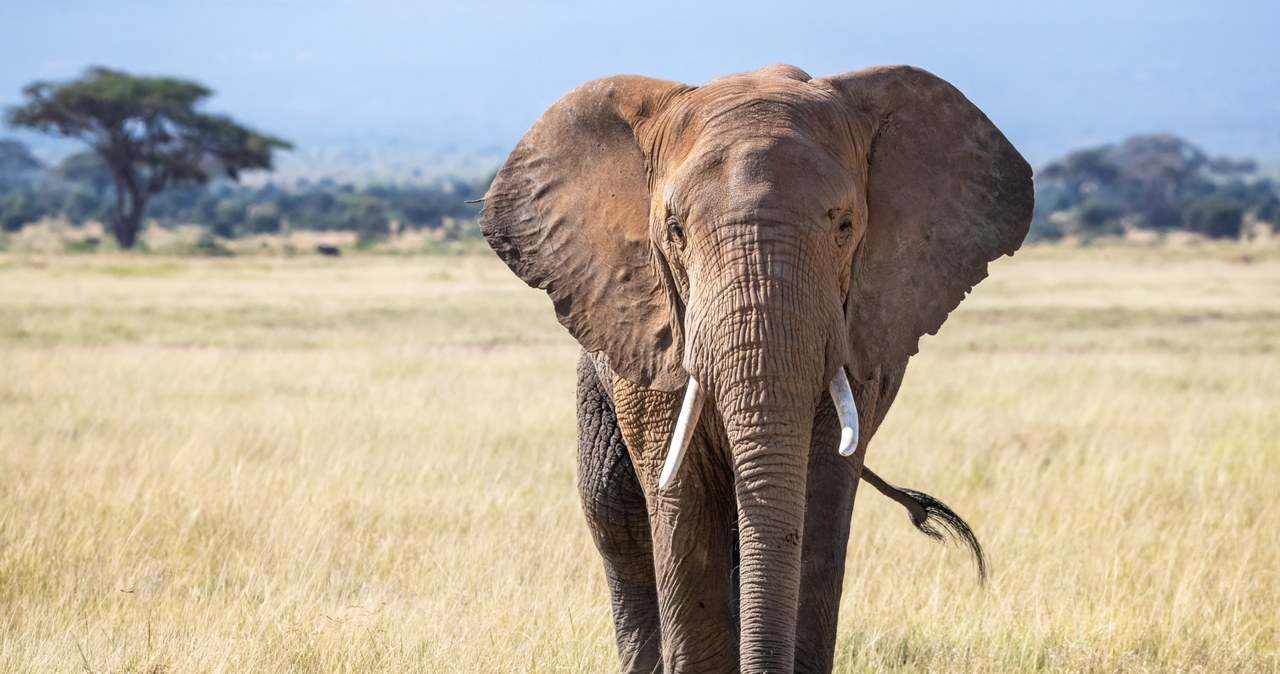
761	233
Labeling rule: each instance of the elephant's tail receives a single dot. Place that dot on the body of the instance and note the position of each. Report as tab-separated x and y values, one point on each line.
933	517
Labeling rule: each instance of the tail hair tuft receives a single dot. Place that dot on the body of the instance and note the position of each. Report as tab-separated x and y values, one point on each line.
942	524
933	518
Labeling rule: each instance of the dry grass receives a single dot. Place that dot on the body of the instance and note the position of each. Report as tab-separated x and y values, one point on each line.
366	465
51	236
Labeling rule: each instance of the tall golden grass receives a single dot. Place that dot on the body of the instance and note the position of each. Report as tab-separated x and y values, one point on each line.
366	465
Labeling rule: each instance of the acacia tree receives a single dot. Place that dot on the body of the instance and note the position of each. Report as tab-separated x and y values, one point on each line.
148	131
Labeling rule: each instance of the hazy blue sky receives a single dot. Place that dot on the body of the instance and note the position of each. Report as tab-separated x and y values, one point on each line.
475	73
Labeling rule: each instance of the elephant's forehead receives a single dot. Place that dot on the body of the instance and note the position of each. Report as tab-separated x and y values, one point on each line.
752	103
752	127
780	159
776	172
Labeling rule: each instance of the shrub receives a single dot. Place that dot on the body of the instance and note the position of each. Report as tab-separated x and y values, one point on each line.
1216	217
17	209
208	245
89	244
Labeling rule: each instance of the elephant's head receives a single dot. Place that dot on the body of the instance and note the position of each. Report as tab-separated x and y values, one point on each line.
760	235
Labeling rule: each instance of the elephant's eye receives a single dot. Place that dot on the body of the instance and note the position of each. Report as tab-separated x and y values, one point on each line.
675	233
845	231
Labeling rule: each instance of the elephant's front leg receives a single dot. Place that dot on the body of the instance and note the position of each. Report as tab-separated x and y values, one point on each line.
693	526
618	519
833	482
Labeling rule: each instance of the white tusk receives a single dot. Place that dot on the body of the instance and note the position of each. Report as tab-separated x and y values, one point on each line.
685	423
847	410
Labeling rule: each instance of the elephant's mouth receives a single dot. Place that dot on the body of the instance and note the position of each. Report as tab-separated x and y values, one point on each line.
694	398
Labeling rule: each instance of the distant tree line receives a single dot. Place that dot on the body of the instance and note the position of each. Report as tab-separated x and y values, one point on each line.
78	189
1158	183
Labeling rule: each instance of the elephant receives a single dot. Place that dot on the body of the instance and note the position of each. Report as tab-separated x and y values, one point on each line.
748	265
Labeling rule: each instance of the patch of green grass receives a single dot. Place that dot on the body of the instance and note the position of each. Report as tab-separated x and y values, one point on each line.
134	269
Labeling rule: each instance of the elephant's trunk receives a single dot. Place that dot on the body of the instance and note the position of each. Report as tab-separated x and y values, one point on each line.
765	344
769	431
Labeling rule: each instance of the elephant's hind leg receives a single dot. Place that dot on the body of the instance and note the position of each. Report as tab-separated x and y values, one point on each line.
618	519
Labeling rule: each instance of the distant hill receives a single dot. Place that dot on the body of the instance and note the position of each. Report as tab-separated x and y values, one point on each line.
18	165
361	160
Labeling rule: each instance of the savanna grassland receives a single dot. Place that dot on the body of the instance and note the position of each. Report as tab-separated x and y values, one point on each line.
366	465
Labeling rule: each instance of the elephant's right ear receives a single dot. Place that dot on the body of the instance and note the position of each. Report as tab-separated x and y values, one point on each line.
569	213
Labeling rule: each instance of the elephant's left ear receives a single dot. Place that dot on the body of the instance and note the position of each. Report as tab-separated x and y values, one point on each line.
946	194
569	213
